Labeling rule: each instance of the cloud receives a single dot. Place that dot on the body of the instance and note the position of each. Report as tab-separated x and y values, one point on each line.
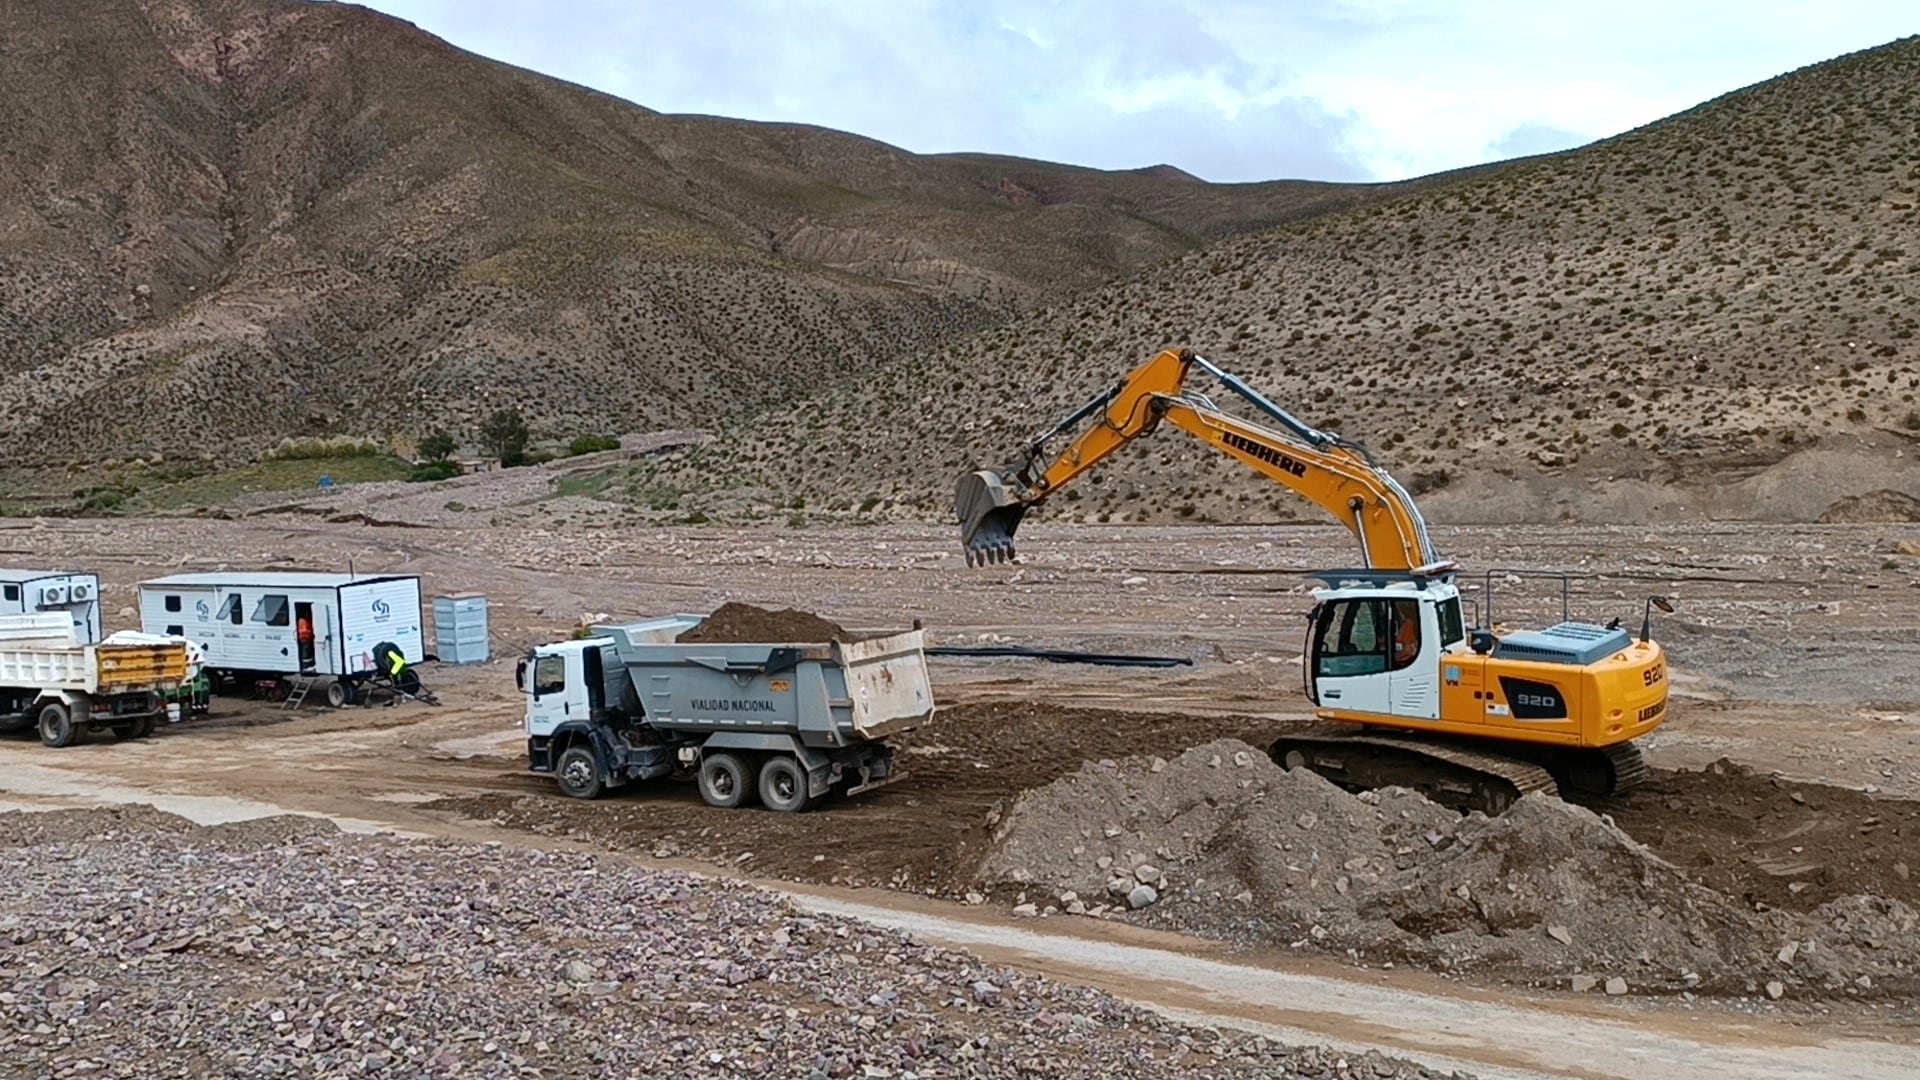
1530	138
1230	90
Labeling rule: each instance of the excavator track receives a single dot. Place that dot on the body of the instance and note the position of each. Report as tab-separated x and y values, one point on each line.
1445	771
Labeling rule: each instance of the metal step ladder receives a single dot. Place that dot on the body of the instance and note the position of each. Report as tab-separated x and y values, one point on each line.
302	685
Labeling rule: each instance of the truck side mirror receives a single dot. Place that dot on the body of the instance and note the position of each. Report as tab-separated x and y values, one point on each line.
520	674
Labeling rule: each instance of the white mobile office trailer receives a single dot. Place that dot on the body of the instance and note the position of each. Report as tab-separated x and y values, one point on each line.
248	623
34	592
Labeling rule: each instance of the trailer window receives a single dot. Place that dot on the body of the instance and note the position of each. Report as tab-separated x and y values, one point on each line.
230	611
173	603
12	592
271	610
176	631
549	675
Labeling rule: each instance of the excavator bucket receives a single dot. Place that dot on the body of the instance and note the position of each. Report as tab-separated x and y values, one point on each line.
989	512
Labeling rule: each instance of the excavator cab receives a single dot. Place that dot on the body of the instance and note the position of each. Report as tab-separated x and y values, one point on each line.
1376	648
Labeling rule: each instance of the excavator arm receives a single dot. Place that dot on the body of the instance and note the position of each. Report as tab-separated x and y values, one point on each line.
1337	475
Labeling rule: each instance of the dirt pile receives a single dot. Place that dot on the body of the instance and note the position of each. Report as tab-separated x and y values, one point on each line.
1221	841
732	622
1872	507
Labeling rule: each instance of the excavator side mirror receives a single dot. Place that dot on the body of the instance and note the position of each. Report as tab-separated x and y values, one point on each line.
1646	617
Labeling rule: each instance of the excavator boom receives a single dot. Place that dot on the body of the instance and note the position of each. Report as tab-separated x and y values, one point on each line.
1338	475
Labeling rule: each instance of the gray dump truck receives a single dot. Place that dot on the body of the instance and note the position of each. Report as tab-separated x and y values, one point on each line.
786	723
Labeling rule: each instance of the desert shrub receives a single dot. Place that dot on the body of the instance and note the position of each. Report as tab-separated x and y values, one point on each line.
438	446
433	470
504	436
592	444
1432	480
310	447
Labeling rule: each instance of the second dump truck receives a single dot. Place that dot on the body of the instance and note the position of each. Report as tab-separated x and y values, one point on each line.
786	723
52	681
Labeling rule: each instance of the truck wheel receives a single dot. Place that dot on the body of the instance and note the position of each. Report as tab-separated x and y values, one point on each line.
783	785
725	781
56	725
339	694
578	772
134	729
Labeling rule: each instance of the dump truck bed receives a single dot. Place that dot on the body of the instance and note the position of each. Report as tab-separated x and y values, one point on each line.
826	693
34	654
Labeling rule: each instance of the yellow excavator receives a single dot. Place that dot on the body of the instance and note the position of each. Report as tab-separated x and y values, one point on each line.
1404	691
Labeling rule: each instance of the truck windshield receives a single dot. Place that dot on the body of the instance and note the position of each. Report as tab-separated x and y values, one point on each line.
549	675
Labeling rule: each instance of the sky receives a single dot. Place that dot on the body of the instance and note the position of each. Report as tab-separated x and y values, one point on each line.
1228	90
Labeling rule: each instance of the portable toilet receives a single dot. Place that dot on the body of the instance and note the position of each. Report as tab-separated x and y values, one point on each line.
460	628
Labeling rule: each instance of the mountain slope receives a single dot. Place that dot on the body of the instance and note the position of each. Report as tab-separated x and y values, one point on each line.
1714	314
227	221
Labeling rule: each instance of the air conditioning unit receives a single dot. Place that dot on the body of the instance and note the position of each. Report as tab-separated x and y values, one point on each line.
82	593
53	594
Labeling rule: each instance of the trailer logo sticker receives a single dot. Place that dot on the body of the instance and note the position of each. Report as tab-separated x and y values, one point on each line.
381	610
201	609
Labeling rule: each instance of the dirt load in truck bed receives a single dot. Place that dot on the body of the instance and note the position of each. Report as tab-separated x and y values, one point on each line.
733	623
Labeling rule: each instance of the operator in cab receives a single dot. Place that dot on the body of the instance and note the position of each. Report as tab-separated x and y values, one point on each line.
1406	632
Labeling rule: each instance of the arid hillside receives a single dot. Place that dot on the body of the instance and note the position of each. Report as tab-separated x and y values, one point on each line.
1712	315
227	221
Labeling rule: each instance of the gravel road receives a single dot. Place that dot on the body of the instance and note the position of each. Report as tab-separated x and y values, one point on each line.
138	944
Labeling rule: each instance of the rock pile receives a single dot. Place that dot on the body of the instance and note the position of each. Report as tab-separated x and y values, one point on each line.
284	948
1223	842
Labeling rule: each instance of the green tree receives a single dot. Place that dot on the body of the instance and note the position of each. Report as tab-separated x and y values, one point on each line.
438	446
505	436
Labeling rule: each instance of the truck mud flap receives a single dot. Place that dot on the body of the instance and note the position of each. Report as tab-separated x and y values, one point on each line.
869	785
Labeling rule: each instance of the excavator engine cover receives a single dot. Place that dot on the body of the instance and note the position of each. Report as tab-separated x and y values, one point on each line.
989	512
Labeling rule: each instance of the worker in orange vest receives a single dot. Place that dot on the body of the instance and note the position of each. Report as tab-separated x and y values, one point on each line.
303	633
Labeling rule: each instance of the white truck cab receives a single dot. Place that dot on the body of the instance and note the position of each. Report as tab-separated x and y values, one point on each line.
554	680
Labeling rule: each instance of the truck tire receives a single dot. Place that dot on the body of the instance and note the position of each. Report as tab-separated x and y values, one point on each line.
57	728
138	728
339	694
783	785
725	781
578	772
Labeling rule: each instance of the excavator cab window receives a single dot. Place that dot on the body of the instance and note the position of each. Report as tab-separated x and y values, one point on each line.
1351	638
1452	628
1406	632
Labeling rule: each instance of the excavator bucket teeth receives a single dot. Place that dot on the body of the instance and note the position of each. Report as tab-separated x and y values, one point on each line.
989	512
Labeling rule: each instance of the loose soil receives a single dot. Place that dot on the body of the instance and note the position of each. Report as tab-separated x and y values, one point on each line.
1771	842
736	622
926	833
1725	831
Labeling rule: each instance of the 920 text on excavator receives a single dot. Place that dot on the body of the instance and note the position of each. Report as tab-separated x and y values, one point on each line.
1405	693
